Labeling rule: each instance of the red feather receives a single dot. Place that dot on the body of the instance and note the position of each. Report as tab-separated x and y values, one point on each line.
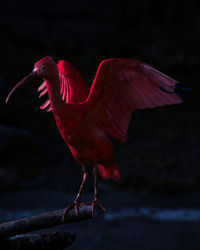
73	88
86	119
123	85
119	87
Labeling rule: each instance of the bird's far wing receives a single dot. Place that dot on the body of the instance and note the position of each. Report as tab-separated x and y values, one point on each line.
123	85
73	88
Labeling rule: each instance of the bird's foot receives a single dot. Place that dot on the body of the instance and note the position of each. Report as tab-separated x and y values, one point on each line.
93	203
77	204
74	205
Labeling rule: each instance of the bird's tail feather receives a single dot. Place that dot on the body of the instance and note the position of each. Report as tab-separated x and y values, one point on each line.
108	172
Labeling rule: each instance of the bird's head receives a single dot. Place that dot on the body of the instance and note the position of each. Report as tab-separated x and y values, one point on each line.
44	68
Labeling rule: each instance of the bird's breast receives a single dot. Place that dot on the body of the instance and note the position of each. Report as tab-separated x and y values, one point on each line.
87	144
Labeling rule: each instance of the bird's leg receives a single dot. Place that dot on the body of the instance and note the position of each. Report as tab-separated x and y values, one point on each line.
96	193
76	202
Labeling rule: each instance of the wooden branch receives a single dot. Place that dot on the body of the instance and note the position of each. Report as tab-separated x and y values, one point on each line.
49	240
46	220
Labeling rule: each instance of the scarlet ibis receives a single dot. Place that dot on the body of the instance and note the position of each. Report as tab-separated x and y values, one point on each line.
86	118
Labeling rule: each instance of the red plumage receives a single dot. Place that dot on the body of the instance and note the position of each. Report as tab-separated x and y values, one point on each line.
73	87
86	118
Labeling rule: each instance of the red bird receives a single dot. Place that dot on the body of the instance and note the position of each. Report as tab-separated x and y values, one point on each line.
86	118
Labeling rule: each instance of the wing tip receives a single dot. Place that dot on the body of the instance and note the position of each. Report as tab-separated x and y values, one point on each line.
182	91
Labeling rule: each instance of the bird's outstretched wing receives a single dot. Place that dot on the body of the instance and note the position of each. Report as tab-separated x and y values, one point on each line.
73	88
123	85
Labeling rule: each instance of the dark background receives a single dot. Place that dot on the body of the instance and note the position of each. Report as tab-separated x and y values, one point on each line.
161	157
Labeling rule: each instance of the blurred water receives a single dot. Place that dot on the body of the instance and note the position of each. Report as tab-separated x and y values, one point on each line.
191	215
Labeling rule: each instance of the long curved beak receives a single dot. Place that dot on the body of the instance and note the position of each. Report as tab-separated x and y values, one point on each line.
29	77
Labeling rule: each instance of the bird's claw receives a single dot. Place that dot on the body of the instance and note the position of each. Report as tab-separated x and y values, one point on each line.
93	203
74	205
97	202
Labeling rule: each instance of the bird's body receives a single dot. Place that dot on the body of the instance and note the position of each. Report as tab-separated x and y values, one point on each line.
76	122
87	141
84	126
87	118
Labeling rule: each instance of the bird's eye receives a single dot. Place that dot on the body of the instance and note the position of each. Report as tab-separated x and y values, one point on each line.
43	67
